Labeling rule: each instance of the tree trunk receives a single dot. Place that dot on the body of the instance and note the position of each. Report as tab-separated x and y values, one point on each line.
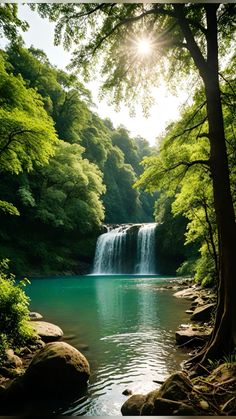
224	332
223	339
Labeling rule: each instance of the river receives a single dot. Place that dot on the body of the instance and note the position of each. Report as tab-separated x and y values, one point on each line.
125	327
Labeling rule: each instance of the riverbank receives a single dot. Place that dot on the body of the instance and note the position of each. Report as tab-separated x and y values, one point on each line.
123	355
42	373
113	320
187	392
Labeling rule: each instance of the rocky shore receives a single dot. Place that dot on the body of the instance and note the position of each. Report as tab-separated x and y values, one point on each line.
185	392
48	369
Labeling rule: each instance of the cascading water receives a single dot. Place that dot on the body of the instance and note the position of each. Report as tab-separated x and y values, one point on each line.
109	251
146	249
126	249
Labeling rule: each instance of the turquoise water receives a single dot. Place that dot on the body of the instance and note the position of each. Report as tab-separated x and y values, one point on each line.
125	327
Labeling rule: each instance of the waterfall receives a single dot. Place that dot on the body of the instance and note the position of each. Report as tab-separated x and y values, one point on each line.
146	249
126	249
109	253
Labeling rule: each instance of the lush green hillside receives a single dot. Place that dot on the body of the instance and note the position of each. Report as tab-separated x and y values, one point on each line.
64	171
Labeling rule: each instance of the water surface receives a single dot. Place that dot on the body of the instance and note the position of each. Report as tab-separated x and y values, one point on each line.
124	325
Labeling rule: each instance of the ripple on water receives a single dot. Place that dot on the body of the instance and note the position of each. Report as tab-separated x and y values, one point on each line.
128	327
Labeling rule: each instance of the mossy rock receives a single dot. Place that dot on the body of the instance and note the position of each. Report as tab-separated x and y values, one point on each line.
58	370
133	406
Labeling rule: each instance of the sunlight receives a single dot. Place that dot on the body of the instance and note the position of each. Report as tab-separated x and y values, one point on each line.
144	46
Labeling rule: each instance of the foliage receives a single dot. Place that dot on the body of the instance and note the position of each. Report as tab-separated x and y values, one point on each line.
9	22
183	34
62	203
7	207
68	102
112	39
14	311
70	191
27	133
181	171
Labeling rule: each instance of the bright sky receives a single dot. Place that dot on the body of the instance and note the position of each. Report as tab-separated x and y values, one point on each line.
40	35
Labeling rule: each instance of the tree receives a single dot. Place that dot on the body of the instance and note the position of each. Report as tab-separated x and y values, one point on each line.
187	187
70	191
9	22
186	33
27	135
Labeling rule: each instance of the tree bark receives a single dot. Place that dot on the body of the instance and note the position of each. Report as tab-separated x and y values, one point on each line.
223	339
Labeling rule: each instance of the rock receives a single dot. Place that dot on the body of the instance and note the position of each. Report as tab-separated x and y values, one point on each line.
186	410
164	407
189	311
190	337
58	370
47	331
203	313
133	406
12	360
174	390
25	351
199	301
127	392
224	372
188	293
14	398
204	405
35	316
176	387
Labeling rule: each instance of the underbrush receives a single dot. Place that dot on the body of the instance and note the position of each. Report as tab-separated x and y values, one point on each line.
15	330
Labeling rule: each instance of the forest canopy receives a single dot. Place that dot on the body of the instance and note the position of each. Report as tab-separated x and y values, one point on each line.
64	170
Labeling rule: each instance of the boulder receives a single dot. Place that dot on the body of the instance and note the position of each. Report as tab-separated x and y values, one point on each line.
199	301
133	406
35	316
164	407
188	293
58	370
47	331
191	337
176	387
203	313
12	360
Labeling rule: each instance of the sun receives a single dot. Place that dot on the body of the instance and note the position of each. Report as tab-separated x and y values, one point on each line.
144	46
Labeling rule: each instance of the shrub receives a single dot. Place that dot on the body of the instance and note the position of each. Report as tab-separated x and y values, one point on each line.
15	330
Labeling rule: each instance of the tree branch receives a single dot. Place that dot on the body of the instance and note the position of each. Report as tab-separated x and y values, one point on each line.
192	45
203	135
122	23
189	164
11	138
90	12
190	129
228	82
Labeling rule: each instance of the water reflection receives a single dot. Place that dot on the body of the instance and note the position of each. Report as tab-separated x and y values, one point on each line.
128	326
